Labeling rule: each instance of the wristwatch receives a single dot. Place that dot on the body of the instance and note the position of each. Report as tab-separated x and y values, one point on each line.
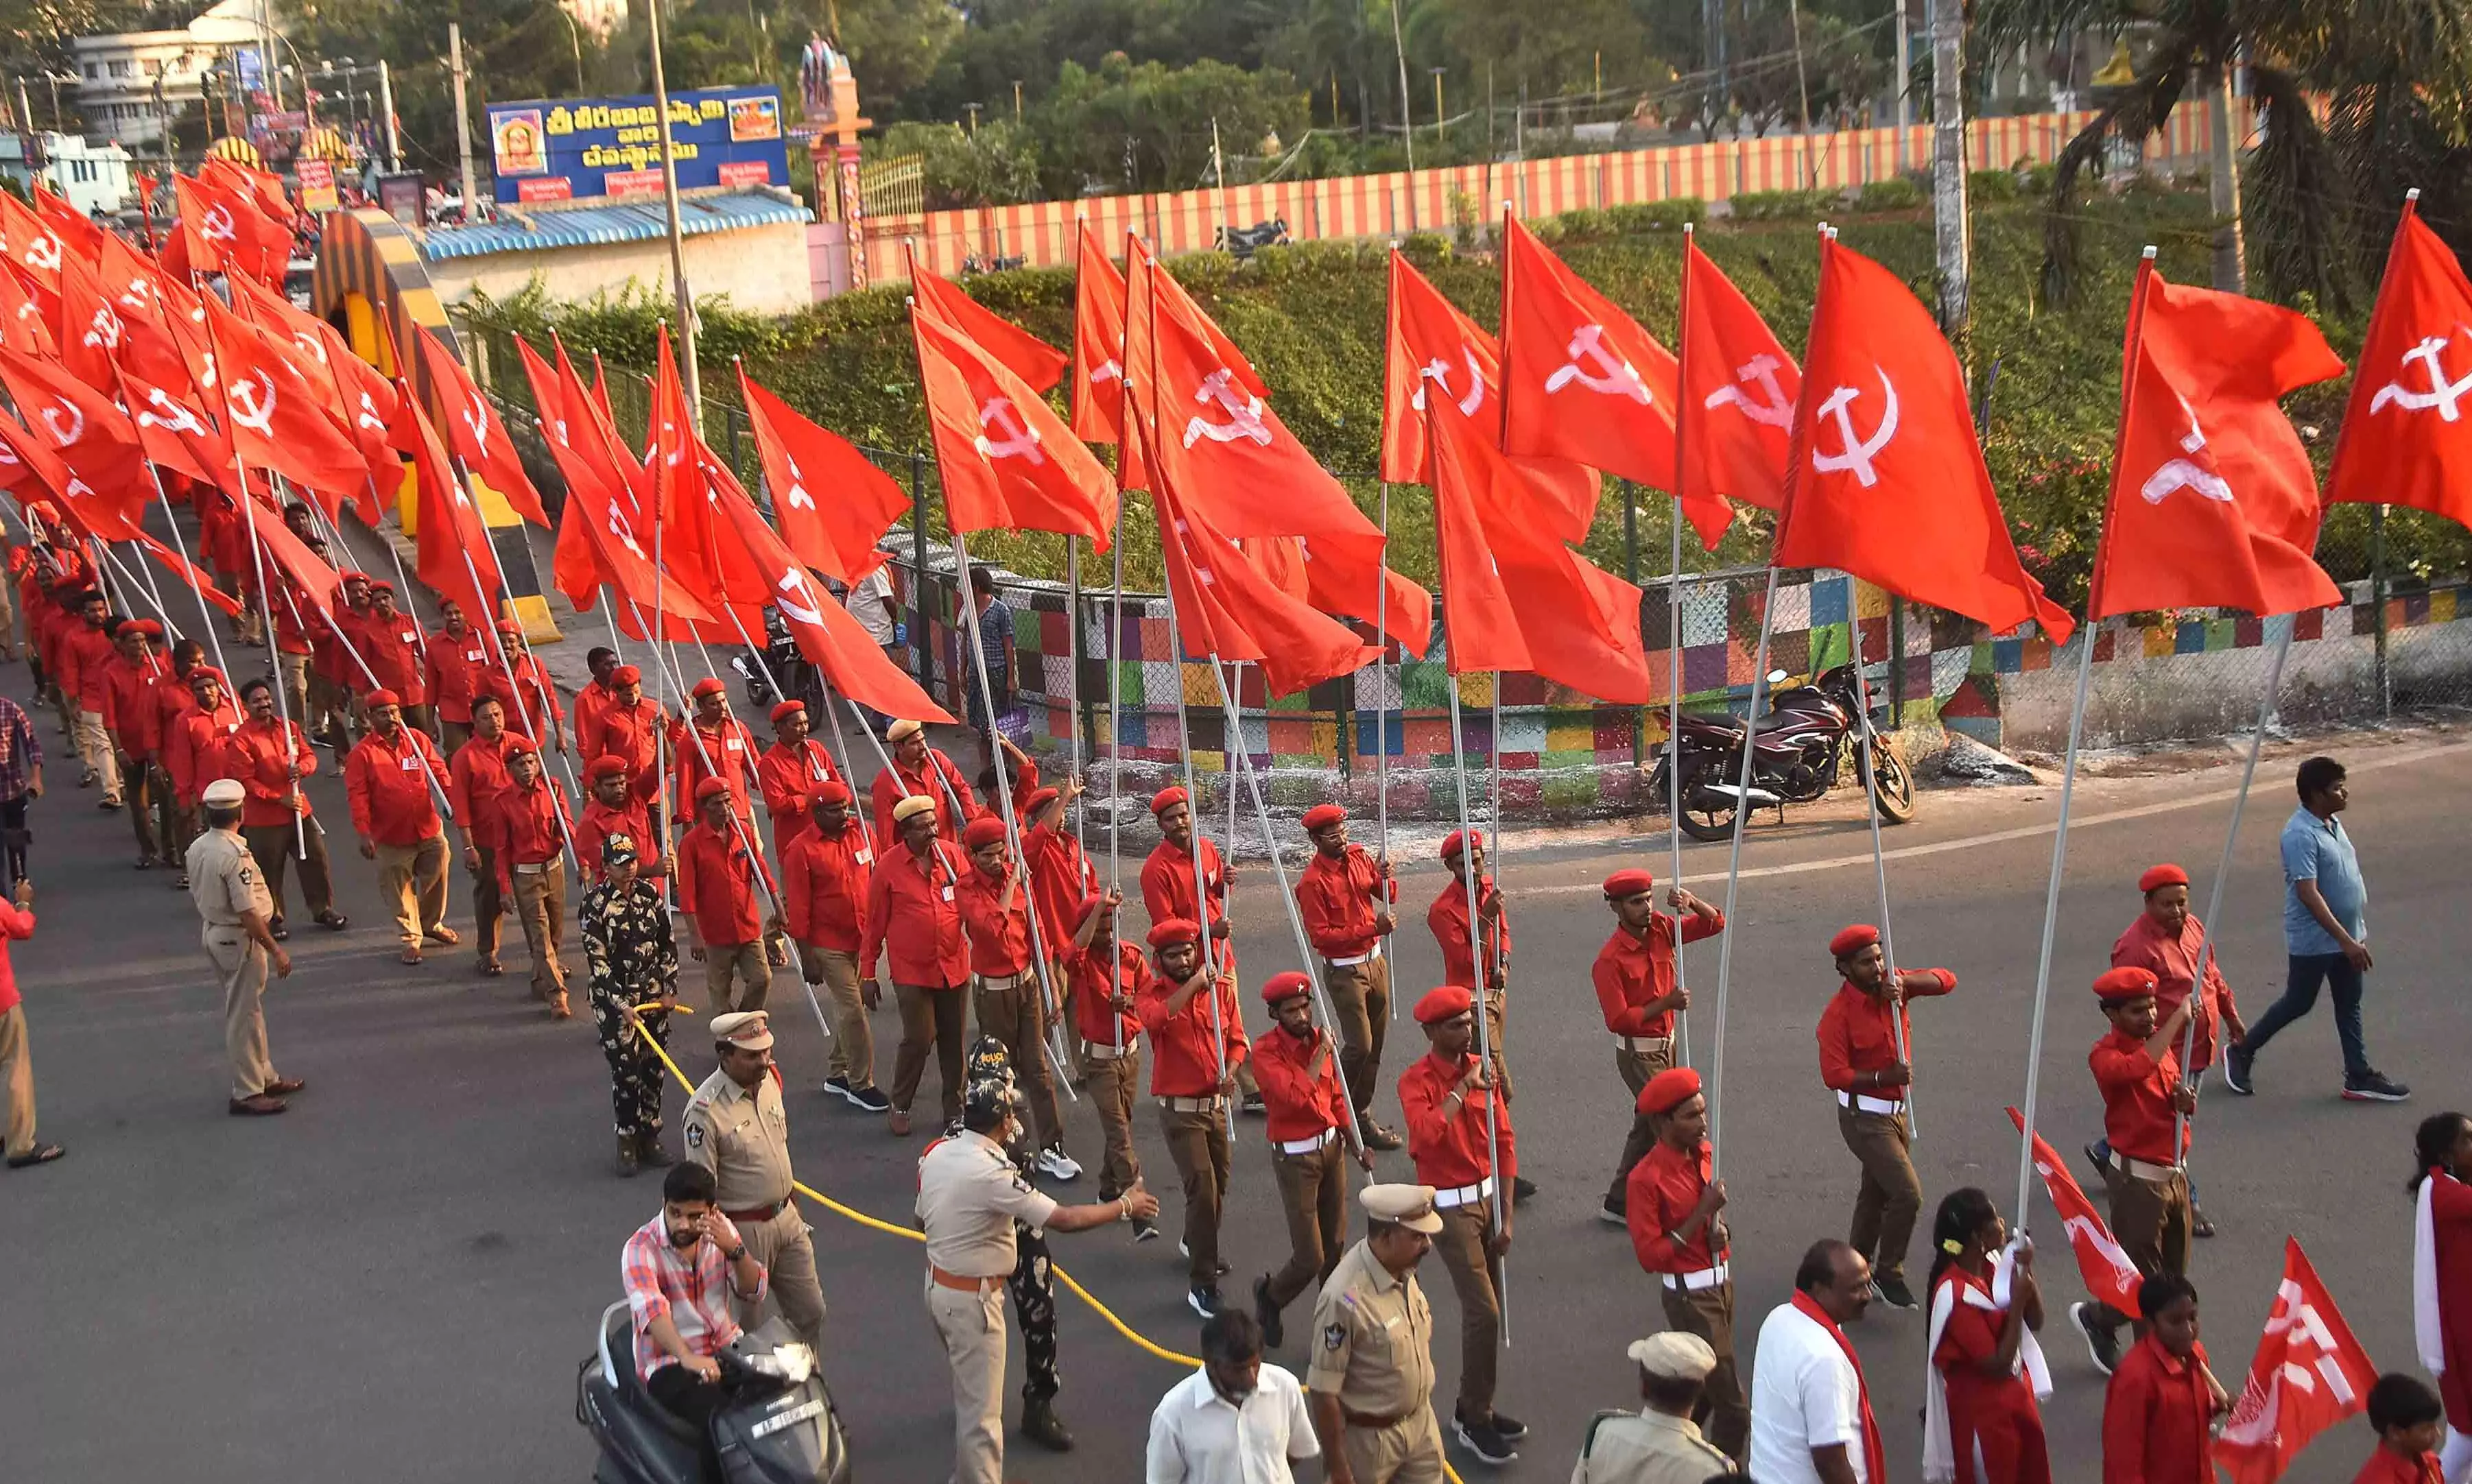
733	1257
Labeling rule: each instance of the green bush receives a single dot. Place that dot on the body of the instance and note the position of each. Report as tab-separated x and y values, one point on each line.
2039	178
1426	249
1657	216
1895	193
1784	205
1586	221
1991	185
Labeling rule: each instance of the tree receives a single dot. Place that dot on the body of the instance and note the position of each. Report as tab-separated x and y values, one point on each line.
995	165
1148	127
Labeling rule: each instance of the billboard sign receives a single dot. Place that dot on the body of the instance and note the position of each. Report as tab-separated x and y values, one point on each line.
582	148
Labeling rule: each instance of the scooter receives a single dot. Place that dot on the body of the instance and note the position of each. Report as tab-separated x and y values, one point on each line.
779	1428
1808	739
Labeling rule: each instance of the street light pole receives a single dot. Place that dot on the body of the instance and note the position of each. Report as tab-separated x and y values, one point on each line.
677	235
386	105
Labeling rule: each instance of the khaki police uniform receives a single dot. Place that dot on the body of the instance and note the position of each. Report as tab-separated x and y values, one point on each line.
970	1196
1373	1348
224	883
743	1139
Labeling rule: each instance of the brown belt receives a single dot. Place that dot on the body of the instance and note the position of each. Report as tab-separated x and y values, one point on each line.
1357	1419
758	1213
944	1280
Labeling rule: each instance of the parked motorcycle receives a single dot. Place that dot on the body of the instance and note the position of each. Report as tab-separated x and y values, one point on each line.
1799	750
1242	242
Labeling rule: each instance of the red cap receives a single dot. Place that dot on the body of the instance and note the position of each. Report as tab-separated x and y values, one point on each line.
1440	1004
1171	933
1038	799
207	670
830	792
1089	904
377	698
1166	799
709	685
43	510
605	767
712	787
1623	885
2130	984
354	574
788	709
519	742
379	584
1455	844
151	628
1280	988
626	674
1669	1089
1852	940
985	830
2160	876
1321	816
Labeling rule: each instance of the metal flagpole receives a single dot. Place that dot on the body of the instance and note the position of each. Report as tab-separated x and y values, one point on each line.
524	714
849	773
1734	880
1674	763
142	583
1232	685
1200	886
1073	677
180	544
1496	1268
1880	874
2052	920
436	785
1381	700
1116	738
274	659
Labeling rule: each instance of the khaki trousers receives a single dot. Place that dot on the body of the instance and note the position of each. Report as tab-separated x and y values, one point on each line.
296	687
931	1019
1113	1084
1709	1313
2150	1220
18	1075
412	881
1017	1017
1198	1144
1891	1194
540	900
744	962
783	1246
1313	1187
489	905
1360	996
240	969
94	750
853	1054
972	1327
1461	1242
274	846
1636	1069
1407	1453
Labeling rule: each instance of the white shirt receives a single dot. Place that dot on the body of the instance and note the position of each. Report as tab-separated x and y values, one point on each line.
865	604
1804	1395
1197	1438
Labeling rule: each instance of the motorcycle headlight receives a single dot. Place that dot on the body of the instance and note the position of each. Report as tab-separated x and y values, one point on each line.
791	1363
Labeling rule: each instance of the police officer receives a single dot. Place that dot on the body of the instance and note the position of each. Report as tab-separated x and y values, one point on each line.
736	1128
1658	1444
633	958
1372	1380
971	1201
233	905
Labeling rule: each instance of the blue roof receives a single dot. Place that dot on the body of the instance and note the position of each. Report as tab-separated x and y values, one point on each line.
628	220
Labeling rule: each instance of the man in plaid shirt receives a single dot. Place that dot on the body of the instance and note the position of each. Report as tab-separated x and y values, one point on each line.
679	1269
21	779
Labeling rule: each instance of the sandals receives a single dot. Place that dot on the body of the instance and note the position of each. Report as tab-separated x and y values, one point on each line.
2198	1225
40	1154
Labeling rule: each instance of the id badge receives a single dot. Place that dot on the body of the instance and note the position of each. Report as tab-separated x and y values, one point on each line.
410	764
948	893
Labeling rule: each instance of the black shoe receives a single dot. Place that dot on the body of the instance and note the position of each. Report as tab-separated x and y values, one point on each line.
870	1099
1266	1314
1204	1299
1144	1231
2374	1087
1508	1426
839	1086
1480	1438
2237	1062
40	1154
278	930
1379	1139
333	922
1894	1293
2102	1343
2099	1155
1041	1426
1522	1189
1614	1213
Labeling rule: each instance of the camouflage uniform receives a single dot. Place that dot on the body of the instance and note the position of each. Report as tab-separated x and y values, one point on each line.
634	958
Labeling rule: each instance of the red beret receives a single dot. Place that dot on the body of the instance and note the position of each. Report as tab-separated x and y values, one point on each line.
354	574
519	742
43	508
1039	799
1669	1089
1089	904
151	628
376	698
1853	940
2130	984
829	791
1171	933
207	670
2159	876
709	685
1440	1004
985	830
1455	844
1627	884
1321	816
626	674
510	628
712	787
1280	988
788	709
605	767
1166	799
379	584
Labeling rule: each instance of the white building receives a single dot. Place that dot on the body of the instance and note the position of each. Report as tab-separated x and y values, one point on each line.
88	175
117	74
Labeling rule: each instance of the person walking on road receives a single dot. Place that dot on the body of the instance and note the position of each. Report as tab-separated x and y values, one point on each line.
233	905
16	1058
2159	1411
1372	1380
2144	1099
824	873
1005	991
914	922
1637	992
270	756
2441	1274
1236	1421
1678	1233
388	778
1295	1066
722	888
1865	1039
1197	1033
632	956
1109	976
1659	1444
21	783
1811	1409
1980	1422
2325	931
736	1126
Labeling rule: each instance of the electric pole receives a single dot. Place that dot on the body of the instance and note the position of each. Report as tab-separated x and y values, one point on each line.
678	236
462	120
1950	225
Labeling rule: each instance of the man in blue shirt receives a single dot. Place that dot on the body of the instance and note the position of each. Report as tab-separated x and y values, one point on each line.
2325	930
991	627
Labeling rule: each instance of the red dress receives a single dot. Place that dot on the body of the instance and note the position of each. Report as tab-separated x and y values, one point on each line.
1992	1420
2450	1212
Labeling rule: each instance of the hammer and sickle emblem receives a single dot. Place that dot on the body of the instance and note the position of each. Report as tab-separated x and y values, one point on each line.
2447	396
795	597
103	331
168	414
367	416
253	399
75	422
2180	473
44	252
797	494
625	532
1020	439
1613	375
477	418
310	345
1858	452
139	297
1105	372
1244	416
1201	572
1438	371
217	224
1773	410
206	371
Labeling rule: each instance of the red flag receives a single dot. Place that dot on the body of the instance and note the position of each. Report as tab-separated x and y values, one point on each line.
2308	1374
83	426
1513	596
448	529
1098	342
585	427
1008	462
194	579
178	436
2101	1261
2407	434
2213	501
477	435
832	504
30	246
685	539
1229	609
360	397
23	326
98	329
278	420
309	576
223	230
1886	479
79	237
1028	357
27	462
1734	411
261	188
1431	352
1581	378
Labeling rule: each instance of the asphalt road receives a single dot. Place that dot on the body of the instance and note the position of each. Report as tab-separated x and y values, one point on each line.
399	1279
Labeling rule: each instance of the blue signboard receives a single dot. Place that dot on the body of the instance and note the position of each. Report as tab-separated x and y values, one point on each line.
575	148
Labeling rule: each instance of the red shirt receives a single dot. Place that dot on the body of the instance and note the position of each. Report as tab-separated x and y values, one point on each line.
538	710
1185	1048
2173	959
258	755
475	784
629	732
2386	1466
389	787
15	922
193	747
999	935
698	752
455	672
915	920
85	655
1663	1191
290	628
716	886
786	777
1855	1035
129	706
823	881
896	783
1630	972
1448	920
2154	1416
2137	1112
1450	1145
1167	890
634	821
1336	897
590	702
526	824
1086	970
1060	878
391	649
1301	1103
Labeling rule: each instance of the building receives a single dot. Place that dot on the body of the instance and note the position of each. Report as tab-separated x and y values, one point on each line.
90	176
118	73
746	246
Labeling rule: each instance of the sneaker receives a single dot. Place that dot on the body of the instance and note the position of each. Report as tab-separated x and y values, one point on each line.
2102	1344
2237	1062
2374	1087
1266	1314
1204	1299
839	1087
1144	1231
1056	1164
869	1099
1481	1439
1508	1426
1522	1189
1613	1214
1892	1290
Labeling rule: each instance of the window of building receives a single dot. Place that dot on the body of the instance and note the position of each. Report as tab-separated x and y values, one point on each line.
92	72
120	66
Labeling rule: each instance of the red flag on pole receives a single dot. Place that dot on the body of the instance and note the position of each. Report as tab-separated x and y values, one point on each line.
359	397
31	246
832	503
1008	462
278	420
261	188
2101	1261
311	577
448	529
224	231
1098	342
588	432
2407	433
1581	378
1032	359
476	433
2308	1374
2213	501
26	459
1886	479
1735	409
85	427
23	326
1230	609
178	436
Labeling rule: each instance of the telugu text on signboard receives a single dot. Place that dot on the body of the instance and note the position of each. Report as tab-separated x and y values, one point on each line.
601	147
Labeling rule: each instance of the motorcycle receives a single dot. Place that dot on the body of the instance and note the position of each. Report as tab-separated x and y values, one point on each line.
778	1428
1242	242
1798	752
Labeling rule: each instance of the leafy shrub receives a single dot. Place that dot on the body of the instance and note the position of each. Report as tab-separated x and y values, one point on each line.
1898	192
1657	216
1586	221
1784	206
1992	185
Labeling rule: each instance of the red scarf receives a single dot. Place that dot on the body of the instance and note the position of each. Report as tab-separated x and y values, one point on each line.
1875	1457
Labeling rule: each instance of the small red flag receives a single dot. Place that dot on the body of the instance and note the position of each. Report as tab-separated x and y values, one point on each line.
2308	1374
261	188
1229	609
1008	462
2213	501
1036	362
85	427
1736	404
456	560
1098	342
2407	434
22	325
277	418
2101	1261
223	231
1581	378
476	433
31	246
27	464
831	503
